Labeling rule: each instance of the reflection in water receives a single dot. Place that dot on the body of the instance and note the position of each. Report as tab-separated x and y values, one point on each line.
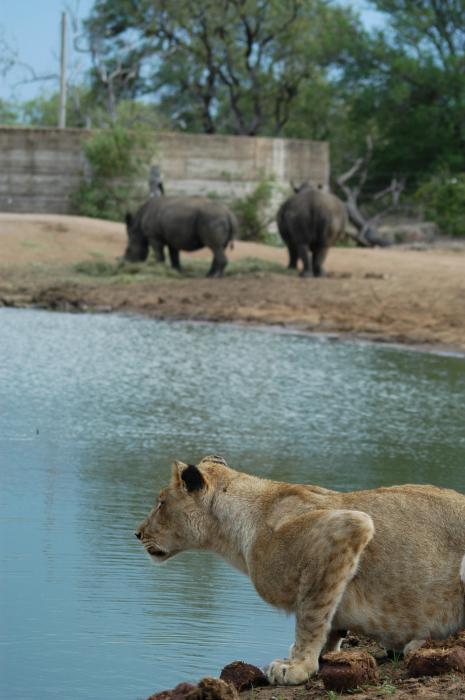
94	409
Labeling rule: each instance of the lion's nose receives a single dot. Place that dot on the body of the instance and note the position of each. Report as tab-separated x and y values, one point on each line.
138	534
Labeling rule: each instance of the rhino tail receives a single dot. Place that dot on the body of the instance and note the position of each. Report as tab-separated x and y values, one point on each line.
233	233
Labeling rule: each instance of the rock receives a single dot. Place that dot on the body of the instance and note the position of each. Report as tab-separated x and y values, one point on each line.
243	676
409	232
207	689
435	662
345	670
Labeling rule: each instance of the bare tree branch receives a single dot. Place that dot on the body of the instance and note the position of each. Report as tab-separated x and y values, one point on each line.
366	227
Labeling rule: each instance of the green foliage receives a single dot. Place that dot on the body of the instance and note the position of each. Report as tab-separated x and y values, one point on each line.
396	658
444	200
233	67
43	109
111	152
8	113
118	158
253	212
85	108
407	87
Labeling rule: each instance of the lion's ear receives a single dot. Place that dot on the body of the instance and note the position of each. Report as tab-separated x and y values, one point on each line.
188	477
192	478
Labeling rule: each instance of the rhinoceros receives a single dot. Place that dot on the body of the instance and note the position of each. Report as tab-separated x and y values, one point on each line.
311	220
181	223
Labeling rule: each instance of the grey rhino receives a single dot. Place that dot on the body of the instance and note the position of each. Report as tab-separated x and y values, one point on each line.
311	220
181	223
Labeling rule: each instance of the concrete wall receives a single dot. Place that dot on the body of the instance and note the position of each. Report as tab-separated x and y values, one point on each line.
40	168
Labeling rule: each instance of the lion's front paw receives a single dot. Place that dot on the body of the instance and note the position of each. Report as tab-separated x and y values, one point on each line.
290	672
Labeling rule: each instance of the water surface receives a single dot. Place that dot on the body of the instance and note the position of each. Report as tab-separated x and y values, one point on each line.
93	409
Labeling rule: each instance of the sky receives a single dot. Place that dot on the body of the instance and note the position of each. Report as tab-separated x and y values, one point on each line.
32	29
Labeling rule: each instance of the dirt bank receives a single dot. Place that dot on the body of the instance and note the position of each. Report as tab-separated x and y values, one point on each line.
433	672
395	294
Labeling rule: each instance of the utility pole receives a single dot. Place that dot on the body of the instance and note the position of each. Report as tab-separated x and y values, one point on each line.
62	112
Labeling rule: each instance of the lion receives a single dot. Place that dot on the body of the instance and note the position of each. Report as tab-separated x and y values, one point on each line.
388	563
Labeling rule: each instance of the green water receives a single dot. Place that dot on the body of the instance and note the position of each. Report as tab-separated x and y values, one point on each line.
92	411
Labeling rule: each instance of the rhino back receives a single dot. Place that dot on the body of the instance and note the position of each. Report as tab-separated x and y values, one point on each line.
188	223
313	217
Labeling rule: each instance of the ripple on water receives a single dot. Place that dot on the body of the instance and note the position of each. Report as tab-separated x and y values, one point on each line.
95	408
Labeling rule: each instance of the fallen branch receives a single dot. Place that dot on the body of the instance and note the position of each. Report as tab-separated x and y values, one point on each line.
366	234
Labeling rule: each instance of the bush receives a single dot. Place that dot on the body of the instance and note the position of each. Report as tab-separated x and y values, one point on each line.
444	200
252	212
118	158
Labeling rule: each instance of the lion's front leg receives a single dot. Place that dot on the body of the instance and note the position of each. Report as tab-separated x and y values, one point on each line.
336	541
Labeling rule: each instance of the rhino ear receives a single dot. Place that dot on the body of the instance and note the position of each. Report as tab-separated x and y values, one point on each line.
188	477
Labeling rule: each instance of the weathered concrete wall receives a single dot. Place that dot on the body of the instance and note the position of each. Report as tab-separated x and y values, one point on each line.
40	168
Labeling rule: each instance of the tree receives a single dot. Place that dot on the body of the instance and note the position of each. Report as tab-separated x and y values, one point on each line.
412	79
352	183
42	110
8	113
233	66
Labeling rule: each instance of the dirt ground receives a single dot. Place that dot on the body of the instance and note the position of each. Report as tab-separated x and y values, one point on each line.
394	294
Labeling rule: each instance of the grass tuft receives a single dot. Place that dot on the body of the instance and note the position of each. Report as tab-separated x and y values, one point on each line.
123	271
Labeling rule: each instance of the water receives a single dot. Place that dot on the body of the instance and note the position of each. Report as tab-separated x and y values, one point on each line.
94	409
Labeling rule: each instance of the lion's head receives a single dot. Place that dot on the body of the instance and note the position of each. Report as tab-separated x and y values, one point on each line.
181	518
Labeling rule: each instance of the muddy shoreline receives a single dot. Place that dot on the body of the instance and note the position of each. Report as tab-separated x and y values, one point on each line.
412	298
164	305
435	671
60	303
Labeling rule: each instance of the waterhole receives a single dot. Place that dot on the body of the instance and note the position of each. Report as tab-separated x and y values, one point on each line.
93	410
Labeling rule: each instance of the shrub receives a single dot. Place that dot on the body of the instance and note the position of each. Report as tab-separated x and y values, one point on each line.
252	212
443	198
117	158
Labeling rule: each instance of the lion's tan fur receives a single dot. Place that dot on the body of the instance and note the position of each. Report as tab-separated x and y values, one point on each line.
385	562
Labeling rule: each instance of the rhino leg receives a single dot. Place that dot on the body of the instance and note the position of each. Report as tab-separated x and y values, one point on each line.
174	257
318	259
158	247
303	255
293	255
219	262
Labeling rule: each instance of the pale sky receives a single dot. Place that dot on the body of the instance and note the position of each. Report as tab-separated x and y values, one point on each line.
32	29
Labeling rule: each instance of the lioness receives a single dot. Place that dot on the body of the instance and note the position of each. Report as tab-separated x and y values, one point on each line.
388	562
